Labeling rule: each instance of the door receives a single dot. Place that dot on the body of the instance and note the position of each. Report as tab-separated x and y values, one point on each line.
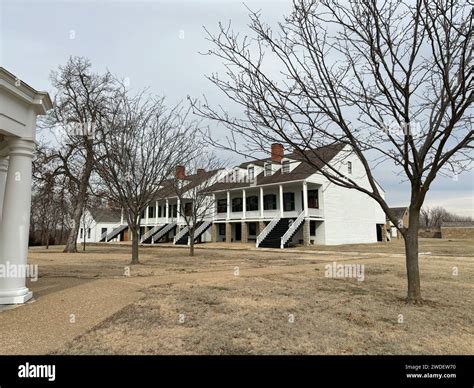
238	232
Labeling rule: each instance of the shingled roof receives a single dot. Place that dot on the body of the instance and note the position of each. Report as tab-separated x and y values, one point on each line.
106	215
168	189
319	157
398	211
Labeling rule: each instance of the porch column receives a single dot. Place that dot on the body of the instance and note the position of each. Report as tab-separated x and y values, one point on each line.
156	212
3	182
305	199
261	202
15	224
244	204
228	205
228	232
121	217
281	200
146	214
167	210
178	215
214	208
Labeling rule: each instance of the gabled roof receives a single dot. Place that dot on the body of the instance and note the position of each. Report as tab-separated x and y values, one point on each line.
106	215
398	211
319	157
168	189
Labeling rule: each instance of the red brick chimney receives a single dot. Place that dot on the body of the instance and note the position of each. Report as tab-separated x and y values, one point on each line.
180	172
201	171
277	152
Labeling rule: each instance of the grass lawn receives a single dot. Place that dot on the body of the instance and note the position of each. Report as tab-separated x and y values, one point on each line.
268	302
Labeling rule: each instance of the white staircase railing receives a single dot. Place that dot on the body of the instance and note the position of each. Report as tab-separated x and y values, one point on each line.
180	234
151	232
163	231
202	228
291	230
267	230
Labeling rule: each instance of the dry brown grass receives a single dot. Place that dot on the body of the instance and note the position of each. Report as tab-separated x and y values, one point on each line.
249	313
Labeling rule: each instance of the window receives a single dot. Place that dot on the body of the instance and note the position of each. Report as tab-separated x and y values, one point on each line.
313	201
236	175
251	173
188	209
285	168
142	215
103	231
221	229
237	205
175	211
349	167
151	212
252	203
288	202
252	229
268	169
159	211
222	206
270	202
81	233
89	233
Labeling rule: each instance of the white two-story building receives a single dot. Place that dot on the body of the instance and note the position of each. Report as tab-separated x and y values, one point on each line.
277	202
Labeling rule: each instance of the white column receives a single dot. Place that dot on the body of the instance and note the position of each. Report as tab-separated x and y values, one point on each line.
228	205
146	215
244	204
214	207
3	182
178	215
121	217
281	200
261	202
156	212
14	228
167	207
305	199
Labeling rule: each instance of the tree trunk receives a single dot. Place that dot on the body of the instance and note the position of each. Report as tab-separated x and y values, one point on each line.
71	246
135	241
191	242
411	250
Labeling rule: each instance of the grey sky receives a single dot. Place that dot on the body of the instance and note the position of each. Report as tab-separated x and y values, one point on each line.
156	44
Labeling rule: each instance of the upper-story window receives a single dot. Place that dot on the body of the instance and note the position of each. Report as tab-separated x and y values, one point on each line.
268	169
237	204
151	212
349	167
270	202
313	199
285	167
252	203
251	173
236	175
222	206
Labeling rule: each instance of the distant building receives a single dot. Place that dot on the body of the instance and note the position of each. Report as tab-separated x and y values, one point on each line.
401	214
458	230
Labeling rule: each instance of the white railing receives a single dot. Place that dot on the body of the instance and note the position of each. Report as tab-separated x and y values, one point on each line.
180	234
267	230
202	228
150	232
291	230
163	231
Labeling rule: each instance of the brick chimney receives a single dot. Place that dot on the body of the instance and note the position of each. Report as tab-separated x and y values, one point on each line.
277	152
200	171
180	172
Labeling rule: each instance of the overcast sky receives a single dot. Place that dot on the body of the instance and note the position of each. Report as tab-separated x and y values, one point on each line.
156	44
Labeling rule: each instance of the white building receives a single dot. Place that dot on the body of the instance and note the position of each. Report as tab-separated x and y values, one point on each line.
276	202
20	104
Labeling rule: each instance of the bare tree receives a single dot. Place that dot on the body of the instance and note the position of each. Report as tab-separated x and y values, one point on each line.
389	79
196	201
81	101
433	218
144	143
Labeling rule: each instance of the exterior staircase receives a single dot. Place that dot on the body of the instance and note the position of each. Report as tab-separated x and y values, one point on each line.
273	238
114	233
